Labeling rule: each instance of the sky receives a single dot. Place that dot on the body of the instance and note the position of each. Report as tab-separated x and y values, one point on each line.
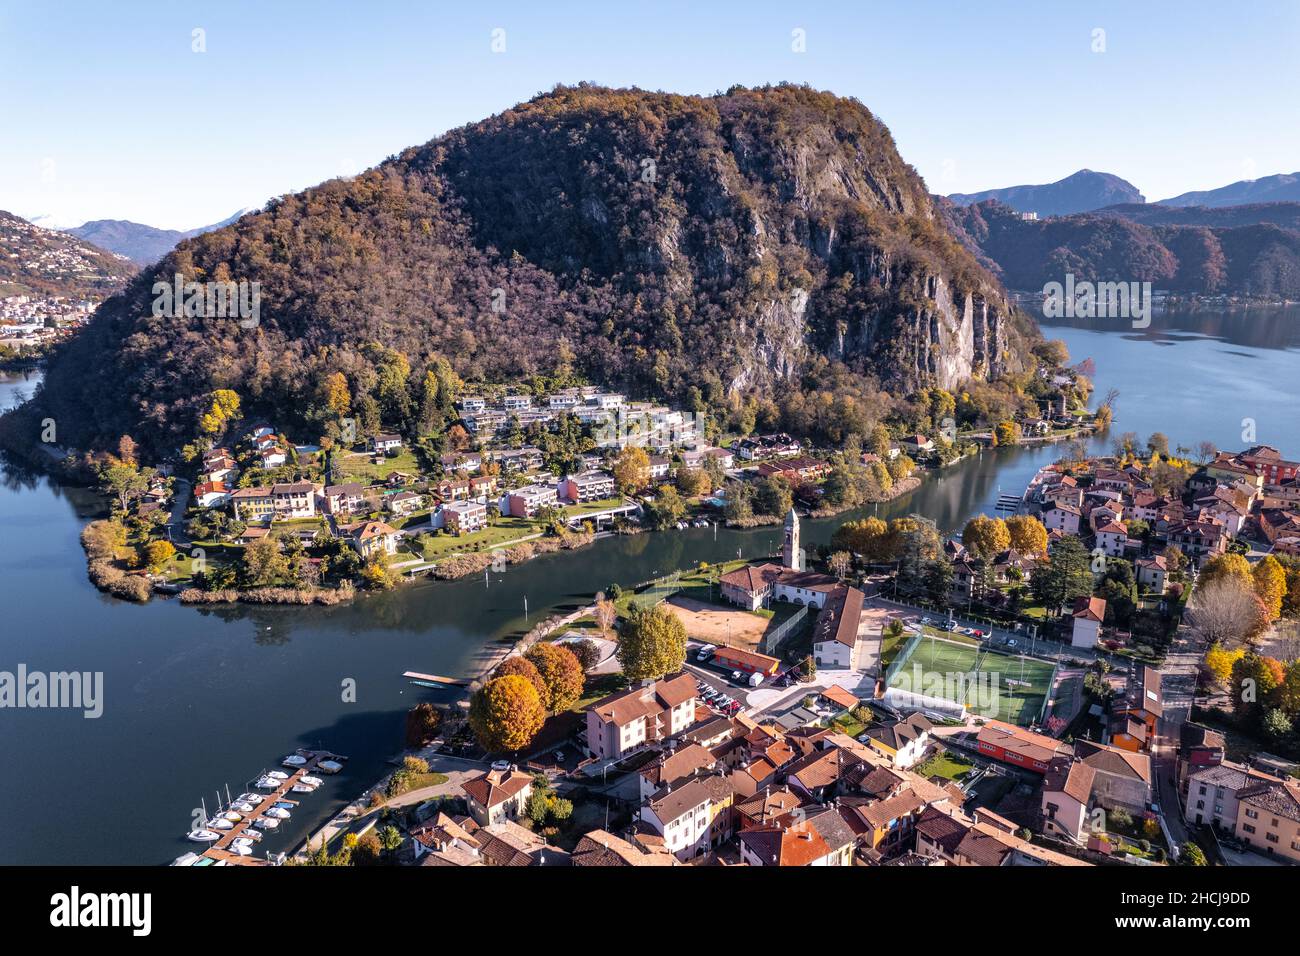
110	111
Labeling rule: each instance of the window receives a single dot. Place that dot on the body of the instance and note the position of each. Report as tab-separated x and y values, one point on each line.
1270	837
1247	828
1252	815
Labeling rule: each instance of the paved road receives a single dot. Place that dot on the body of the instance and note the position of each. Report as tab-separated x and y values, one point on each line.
1178	688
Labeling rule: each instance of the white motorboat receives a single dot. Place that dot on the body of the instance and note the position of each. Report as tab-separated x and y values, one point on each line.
204	836
253	798
278	812
241	850
249	834
244	806
186	859
245	841
304	787
329	766
277	775
310	780
268	783
232	816
294	760
267	823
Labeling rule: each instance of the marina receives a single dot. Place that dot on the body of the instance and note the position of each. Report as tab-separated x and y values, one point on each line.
232	833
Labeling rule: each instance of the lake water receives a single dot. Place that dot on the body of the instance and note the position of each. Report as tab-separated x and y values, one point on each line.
198	699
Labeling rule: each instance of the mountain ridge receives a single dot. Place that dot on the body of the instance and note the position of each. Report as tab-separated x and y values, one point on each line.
1082	191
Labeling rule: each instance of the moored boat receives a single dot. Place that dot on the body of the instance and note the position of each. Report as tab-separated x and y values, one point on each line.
203	836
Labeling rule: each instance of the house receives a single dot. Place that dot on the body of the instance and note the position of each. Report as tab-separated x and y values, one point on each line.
599	848
517	403
453	489
1121	779
506	843
904	741
1067	786
1088	614
211	494
252	504
779	445
519	459
294	499
346	498
1198	747
1268	818
1063	517
1211	797
693	818
1017	746
385	444
525	502
1112	536
445	841
630	719
587	486
795	471
818	774
500	793
765	808
404	503
694	458
473	403
1198	539
371	538
916	445
1136	715
1153	574
836	641
463	517
985	844
659	467
464	462
673	767
273	456
798	840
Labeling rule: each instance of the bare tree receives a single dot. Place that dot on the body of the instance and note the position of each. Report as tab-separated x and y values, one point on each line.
1205	450
1222	611
606	614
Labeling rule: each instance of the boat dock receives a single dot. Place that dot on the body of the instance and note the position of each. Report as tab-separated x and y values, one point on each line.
435	679
219	849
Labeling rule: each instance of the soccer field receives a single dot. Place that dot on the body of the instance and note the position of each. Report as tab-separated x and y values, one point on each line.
1005	686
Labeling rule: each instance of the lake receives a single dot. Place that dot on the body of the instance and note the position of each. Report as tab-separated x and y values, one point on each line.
197	699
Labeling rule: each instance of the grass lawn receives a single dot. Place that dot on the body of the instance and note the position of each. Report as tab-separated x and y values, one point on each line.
591	507
359	465
417	781
945	764
850	723
598	686
503	530
697	583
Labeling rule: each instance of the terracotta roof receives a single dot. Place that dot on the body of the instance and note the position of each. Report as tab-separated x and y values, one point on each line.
838	695
1026	743
752	577
670	803
899	733
1277	796
1069	776
599	848
941	828
626	706
839	617
494	787
1113	760
786	844
821	768
765	807
672	767
1090	608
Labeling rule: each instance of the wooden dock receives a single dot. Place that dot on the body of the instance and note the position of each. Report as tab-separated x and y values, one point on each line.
220	849
433	679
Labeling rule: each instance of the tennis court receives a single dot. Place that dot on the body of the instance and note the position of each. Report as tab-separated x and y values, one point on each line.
988	682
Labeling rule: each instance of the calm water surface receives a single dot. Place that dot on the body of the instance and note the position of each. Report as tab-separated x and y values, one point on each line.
197	699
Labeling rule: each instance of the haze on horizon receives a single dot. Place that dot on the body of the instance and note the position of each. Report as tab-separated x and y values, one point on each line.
111	113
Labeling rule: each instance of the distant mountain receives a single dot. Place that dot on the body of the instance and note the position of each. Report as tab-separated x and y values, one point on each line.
1257	257
1284	187
143	245
38	261
1082	192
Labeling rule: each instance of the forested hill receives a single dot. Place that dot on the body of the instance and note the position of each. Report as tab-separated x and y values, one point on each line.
1243	251
761	248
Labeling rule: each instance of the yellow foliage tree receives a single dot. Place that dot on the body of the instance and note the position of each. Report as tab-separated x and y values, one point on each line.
1028	536
1219	661
1270	584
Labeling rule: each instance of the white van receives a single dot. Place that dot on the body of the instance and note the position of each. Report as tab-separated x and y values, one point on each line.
707	651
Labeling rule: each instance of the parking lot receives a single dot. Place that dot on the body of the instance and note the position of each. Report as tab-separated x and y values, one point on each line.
716	683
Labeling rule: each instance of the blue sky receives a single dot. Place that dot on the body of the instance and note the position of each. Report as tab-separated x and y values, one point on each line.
109	114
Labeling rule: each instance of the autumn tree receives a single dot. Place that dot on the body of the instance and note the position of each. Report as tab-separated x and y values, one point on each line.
125	482
652	643
1253	681
506	713
587	652
1269	580
520	666
986	537
223	405
606	613
1219	661
264	562
157	553
104	540
1223	611
422	722
561	674
631	469
1028	536
1224	566
840	563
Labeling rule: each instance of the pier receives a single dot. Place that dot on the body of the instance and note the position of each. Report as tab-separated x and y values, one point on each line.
435	680
220	849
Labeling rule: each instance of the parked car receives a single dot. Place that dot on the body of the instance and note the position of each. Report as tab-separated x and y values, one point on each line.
735	675
705	652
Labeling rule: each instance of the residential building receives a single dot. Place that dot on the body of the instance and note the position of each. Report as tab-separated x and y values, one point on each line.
1121	779
836	638
498	794
599	848
1268	818
463	517
795	840
346	498
1152	574
252	504
904	741
630	719
1088	614
587	486
1067	786
383	444
1017	746
295	499
525	502
694	817
371	538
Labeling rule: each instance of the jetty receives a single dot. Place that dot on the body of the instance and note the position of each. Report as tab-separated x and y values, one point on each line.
219	851
435	680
